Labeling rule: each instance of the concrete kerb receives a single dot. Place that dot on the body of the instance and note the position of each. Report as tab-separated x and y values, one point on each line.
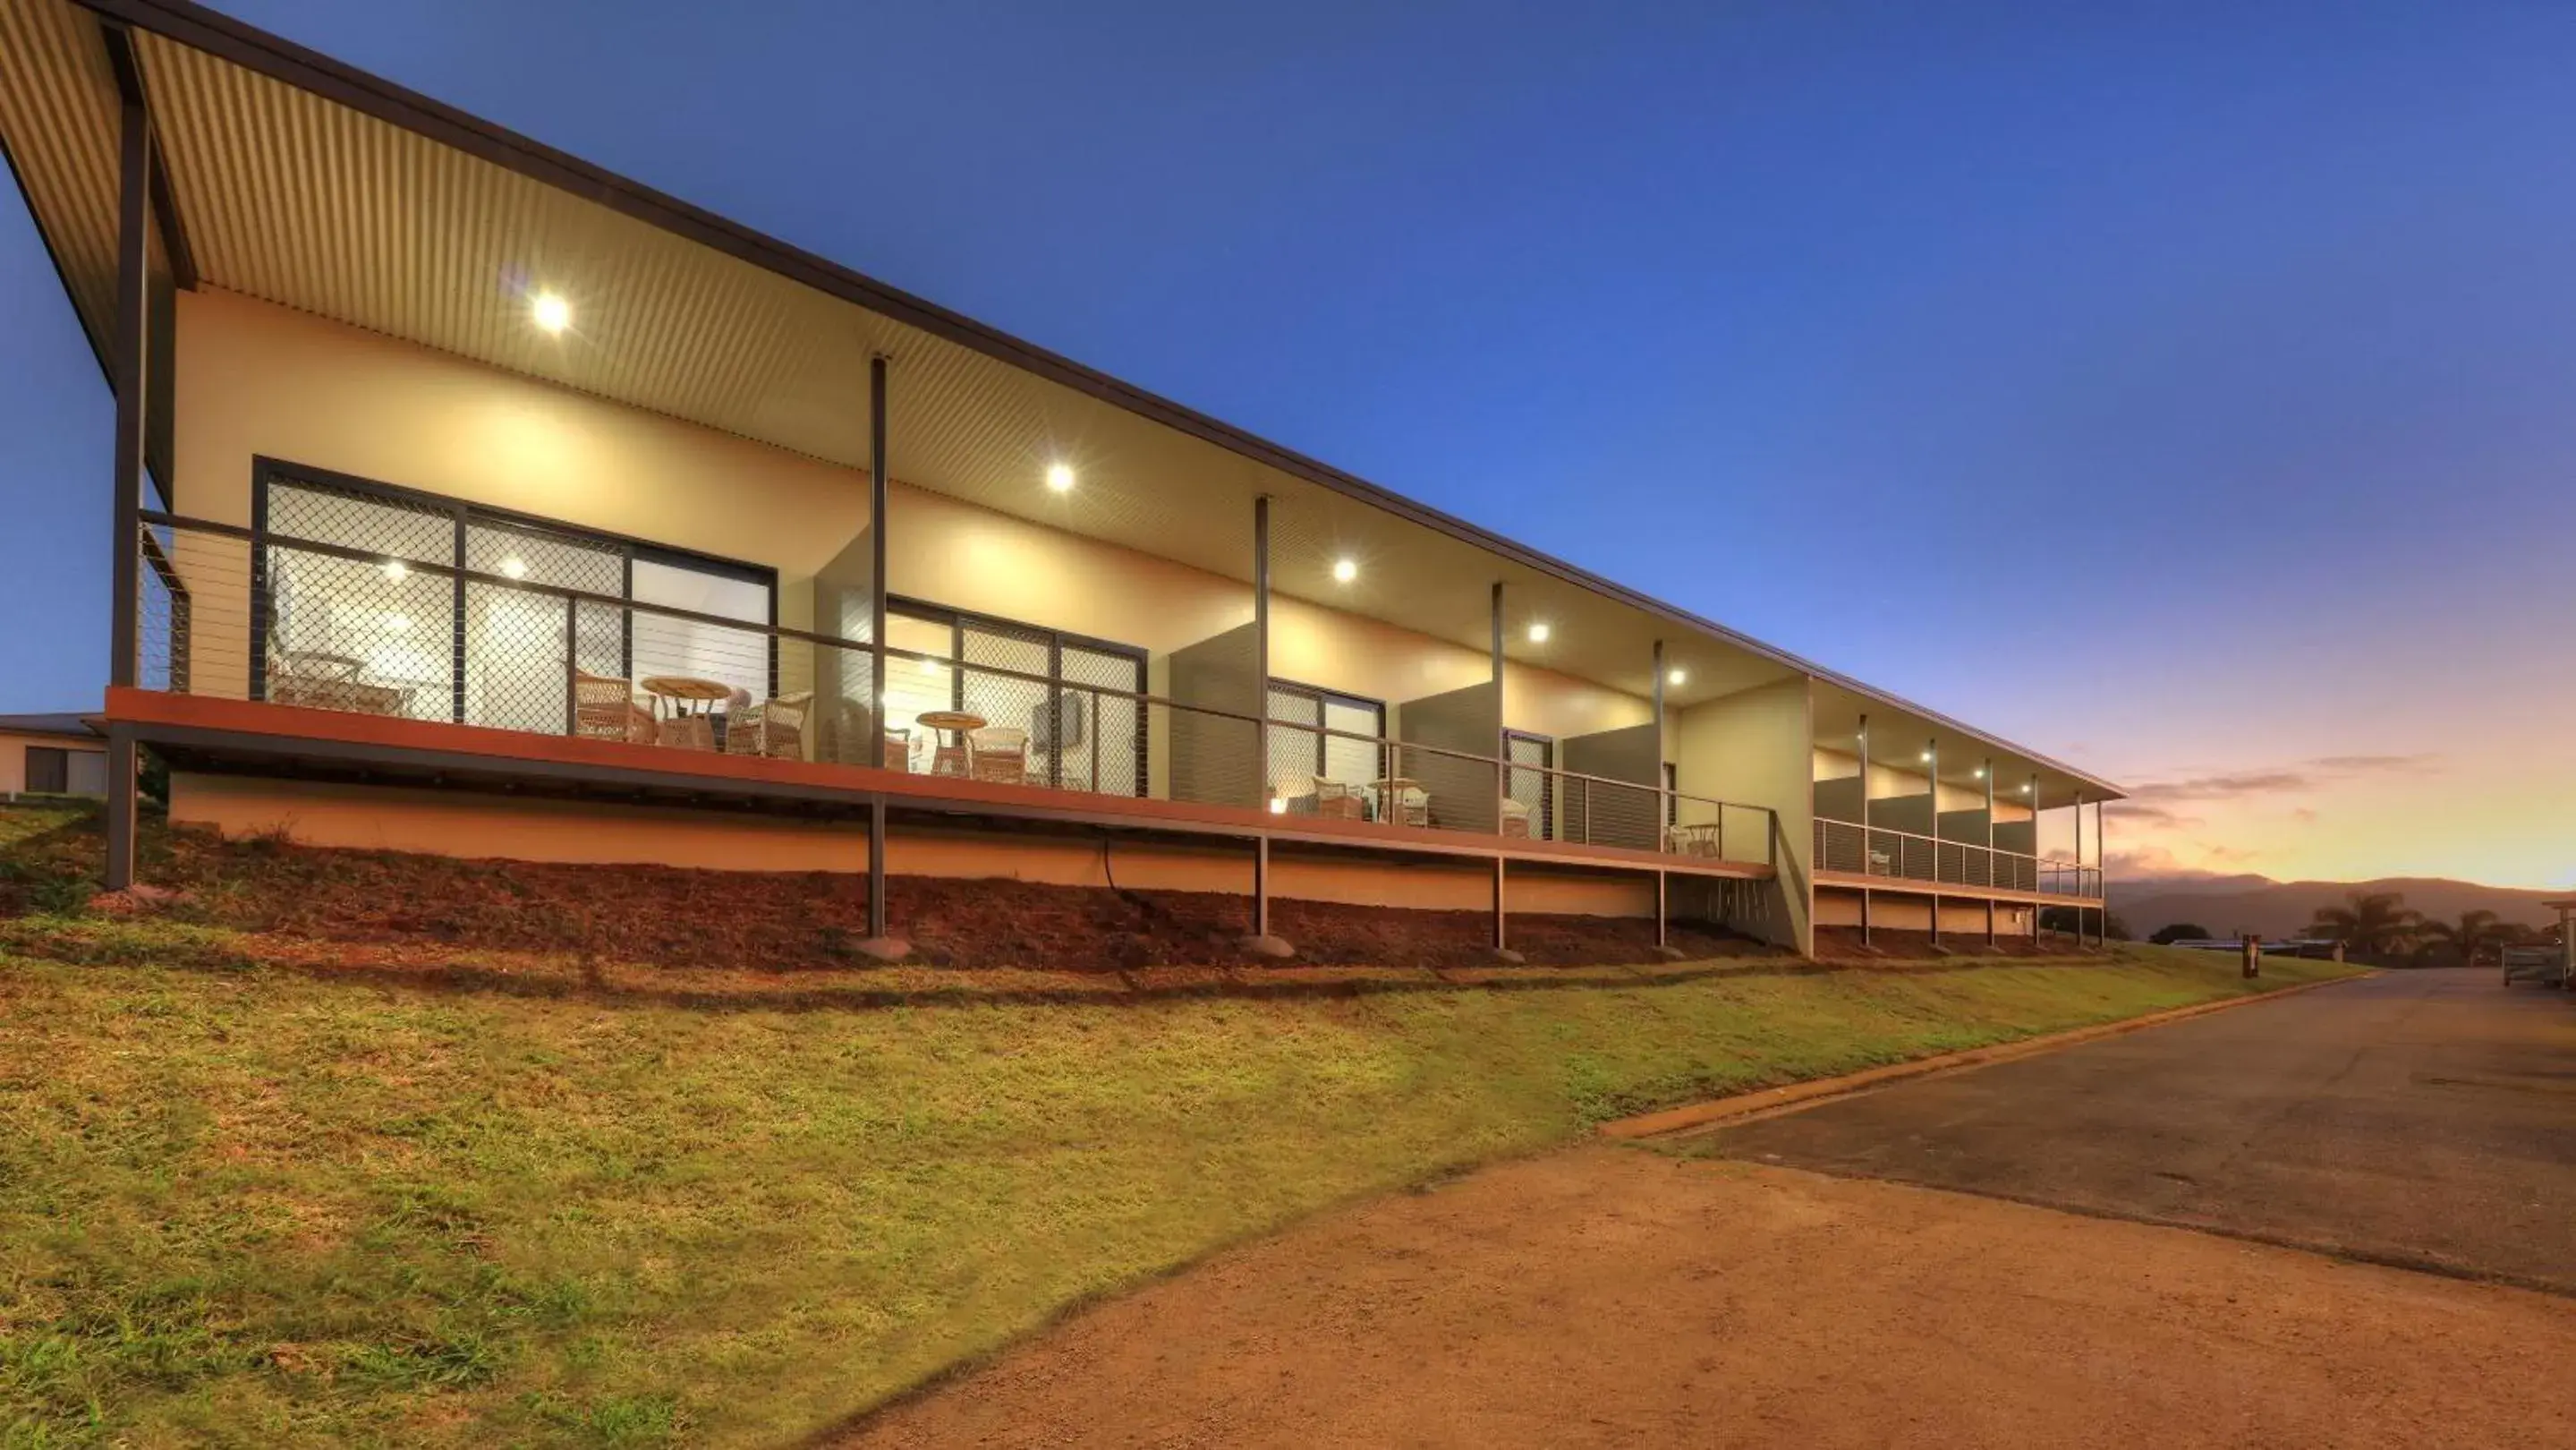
1789	1097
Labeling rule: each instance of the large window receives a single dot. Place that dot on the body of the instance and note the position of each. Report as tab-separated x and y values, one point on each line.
383	634
49	770
1075	738
1299	758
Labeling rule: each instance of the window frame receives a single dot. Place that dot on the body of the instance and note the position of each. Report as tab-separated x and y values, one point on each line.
60	757
464	514
1322	698
923	611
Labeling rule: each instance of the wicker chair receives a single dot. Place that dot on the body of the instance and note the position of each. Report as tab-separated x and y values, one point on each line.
1516	817
998	753
773	727
605	709
1337	801
898	747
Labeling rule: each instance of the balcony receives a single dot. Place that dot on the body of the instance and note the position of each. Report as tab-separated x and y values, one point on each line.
1902	858
406	637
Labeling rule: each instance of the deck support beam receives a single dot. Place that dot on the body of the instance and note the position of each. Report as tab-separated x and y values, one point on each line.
881	943
1932	818
1502	942
1262	941
129	353
1987	773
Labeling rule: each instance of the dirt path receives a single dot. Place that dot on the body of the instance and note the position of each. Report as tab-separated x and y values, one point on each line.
1616	1296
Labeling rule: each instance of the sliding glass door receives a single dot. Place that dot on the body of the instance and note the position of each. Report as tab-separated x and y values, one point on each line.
1026	683
389	634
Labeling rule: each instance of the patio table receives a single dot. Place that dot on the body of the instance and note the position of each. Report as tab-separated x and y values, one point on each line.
693	702
949	728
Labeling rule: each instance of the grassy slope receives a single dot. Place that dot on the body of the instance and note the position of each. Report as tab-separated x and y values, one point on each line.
253	1204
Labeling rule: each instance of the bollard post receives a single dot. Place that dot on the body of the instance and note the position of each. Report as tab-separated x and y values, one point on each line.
2253	948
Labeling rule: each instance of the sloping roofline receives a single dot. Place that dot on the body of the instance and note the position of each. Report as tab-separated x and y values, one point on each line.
64	724
283	60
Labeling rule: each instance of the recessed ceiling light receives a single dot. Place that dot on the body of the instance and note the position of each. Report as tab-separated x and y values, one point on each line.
551	312
514	568
1927	757
2025	790
1060	476
395	571
1345	570
1675	677
1538	634
1981	772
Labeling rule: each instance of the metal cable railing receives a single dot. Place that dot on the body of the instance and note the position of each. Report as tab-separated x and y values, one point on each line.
1853	849
505	642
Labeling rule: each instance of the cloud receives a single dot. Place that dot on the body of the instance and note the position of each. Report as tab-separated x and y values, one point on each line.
2149	814
2381	764
2159	863
2273	781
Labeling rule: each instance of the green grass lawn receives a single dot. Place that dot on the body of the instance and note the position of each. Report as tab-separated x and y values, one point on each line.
523	1201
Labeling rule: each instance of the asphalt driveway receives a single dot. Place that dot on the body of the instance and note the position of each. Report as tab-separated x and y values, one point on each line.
2422	1118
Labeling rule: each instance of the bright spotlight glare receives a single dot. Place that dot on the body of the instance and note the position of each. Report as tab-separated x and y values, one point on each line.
1060	476
1538	634
552	313
1345	570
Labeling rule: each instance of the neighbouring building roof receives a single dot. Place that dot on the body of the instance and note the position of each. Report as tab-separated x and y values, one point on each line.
63	724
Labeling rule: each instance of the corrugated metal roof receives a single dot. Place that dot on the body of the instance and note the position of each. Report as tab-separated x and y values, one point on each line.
309	202
58	124
64	724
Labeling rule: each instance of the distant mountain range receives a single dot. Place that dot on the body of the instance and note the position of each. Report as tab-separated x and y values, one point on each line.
2231	905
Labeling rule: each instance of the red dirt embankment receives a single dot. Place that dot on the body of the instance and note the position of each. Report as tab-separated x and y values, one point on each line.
789	921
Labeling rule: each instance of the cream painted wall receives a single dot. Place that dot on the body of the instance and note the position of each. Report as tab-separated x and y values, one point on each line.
13	755
256	379
1754	748
490	827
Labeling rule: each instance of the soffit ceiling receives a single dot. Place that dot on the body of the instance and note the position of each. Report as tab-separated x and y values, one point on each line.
297	199
1899	736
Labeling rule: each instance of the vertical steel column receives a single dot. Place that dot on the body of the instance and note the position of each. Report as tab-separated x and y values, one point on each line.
133	330
1863	738
2034	858
1502	755
1663	909
1261	711
1664	807
2079	869
875	743
1991	882
1932	810
1501	940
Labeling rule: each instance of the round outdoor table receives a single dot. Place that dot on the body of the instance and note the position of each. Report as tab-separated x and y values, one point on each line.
950	726
693	702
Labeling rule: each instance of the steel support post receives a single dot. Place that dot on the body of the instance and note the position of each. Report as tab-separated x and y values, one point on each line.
1502	758
1987	772
1932	812
874	746
130	353
1261	886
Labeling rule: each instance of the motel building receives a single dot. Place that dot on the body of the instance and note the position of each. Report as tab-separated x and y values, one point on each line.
466	498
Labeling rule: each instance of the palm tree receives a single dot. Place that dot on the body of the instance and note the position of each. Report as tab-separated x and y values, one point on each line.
2367	925
2468	938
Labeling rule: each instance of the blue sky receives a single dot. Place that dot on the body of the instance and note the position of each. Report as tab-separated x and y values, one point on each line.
2182	390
